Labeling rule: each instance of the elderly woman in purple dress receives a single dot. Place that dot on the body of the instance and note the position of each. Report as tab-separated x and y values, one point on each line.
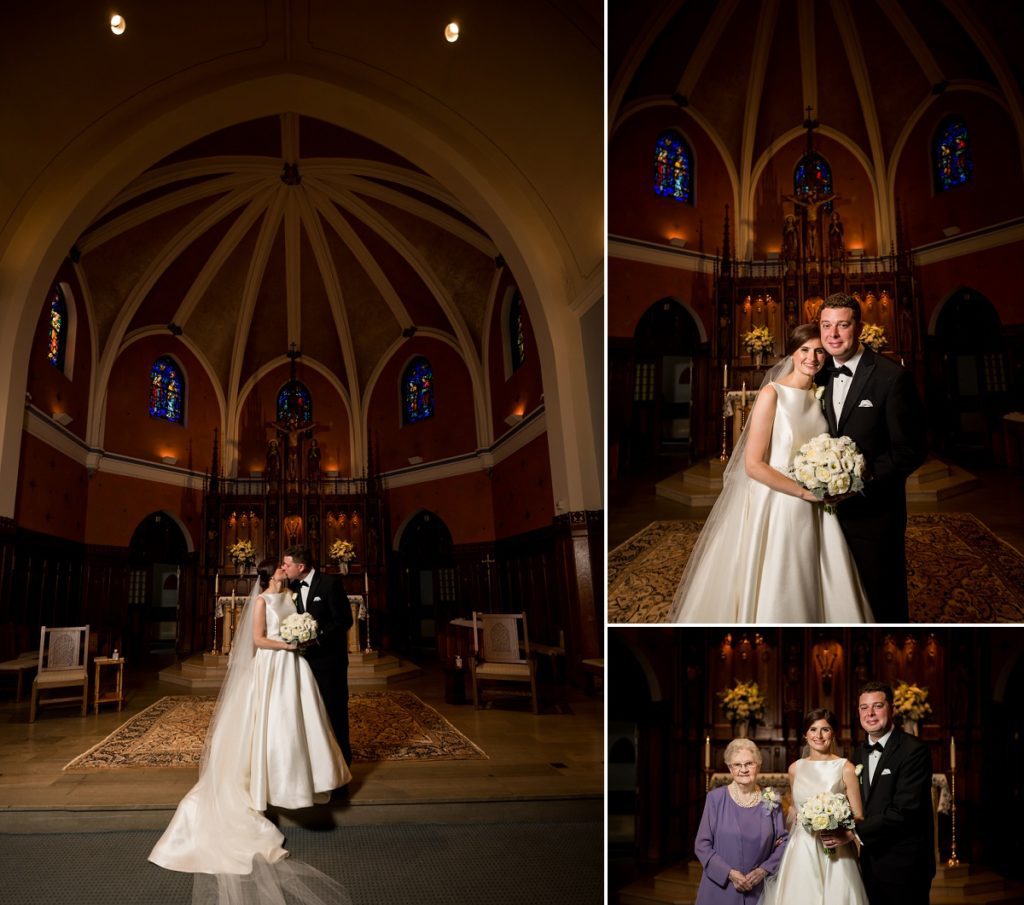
741	835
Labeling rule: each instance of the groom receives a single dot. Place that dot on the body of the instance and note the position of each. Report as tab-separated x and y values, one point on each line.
874	401
321	596
897	858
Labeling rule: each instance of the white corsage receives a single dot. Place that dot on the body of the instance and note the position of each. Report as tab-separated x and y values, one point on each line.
770	799
858	769
294	595
819	394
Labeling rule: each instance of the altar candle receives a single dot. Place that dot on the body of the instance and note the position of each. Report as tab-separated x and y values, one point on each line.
952	753
366	584
216	583
743	395
707	752
725	375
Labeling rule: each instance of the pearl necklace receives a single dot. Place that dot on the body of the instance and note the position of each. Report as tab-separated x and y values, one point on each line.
748	801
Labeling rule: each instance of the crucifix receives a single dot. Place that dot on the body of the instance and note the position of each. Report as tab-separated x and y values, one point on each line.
293	428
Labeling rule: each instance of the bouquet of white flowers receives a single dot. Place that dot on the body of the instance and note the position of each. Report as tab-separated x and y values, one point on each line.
825	812
829	466
299	627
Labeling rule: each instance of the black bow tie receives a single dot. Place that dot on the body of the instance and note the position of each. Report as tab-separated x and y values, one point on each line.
303	584
876	746
842	369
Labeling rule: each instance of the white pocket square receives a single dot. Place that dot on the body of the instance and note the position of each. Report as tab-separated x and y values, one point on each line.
866	404
887	772
316	600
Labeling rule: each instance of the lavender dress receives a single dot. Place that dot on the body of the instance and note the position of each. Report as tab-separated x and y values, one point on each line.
731	837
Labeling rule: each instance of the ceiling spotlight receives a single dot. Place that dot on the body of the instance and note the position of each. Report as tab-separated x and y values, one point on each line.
117	24
451	32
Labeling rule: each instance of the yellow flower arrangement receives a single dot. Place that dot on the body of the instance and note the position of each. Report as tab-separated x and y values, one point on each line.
757	340
873	336
743	701
911	701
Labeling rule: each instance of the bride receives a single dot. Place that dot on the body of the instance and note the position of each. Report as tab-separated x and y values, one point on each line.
269	742
807	876
768	553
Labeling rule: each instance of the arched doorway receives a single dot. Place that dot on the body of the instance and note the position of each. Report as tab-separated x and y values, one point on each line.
971	393
653	390
158	559
427	576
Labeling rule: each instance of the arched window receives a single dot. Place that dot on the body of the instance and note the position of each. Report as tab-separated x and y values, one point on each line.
167	390
418	391
813	176
294	404
516	333
673	167
58	334
951	154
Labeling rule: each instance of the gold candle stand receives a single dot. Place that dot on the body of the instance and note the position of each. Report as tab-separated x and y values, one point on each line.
724	457
953	861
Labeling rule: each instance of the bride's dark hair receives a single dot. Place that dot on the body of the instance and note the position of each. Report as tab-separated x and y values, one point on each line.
265	571
801	333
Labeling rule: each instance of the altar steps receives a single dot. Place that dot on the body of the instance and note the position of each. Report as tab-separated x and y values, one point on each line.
375	668
936	481
963	885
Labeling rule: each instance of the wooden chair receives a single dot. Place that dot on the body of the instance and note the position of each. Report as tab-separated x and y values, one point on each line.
63	663
501	646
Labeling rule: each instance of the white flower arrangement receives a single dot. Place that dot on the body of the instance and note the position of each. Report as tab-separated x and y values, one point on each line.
299	627
242	552
342	551
873	336
759	339
825	812
829	466
743	701
770	799
911	701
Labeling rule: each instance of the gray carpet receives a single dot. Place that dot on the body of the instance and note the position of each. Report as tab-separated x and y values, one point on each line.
483	864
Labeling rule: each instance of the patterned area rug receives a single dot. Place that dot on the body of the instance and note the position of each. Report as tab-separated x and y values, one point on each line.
958	571
383	725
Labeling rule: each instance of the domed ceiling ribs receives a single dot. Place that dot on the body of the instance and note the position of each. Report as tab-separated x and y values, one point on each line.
215	233
800	54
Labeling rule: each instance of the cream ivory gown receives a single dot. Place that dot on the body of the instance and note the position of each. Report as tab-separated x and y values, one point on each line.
807	876
290	759
775	557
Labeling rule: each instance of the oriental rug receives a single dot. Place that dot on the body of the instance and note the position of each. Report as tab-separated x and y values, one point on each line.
383	725
958	571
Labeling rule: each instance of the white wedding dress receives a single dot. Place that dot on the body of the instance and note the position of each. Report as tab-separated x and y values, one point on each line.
769	557
807	876
270	742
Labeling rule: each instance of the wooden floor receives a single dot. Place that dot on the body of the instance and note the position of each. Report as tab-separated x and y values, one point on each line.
998	502
557	755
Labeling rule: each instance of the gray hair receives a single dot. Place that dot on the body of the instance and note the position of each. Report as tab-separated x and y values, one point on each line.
736	744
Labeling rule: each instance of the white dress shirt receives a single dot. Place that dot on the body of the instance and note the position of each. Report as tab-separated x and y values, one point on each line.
875	756
308	577
841	383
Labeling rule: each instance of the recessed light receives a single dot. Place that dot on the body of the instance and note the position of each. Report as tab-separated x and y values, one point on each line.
117	24
451	32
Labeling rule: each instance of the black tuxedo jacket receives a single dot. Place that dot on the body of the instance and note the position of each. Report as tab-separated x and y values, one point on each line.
897	829
327	604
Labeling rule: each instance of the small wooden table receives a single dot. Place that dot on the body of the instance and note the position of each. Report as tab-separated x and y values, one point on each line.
20	667
111	696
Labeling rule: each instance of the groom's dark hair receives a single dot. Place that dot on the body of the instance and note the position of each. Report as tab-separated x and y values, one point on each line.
841	300
872	687
301	553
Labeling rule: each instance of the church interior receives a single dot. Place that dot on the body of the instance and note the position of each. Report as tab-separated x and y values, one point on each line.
763	156
278	273
668	729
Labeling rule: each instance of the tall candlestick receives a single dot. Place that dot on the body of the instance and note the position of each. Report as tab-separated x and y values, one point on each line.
216	583
725	375
366	584
743	396
707	752
952	753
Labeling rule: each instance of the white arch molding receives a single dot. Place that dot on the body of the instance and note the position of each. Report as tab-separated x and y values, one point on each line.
90	171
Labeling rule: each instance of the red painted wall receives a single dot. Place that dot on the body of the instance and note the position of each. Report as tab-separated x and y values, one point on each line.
52	491
633	208
450	432
634	286
520	392
995	273
463	503
117	504
995	194
50	390
329	408
131	431
521	485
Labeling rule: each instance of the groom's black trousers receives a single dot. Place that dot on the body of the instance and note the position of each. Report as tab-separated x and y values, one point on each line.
902	889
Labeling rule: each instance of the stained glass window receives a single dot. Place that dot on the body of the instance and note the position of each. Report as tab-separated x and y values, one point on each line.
418	391
516	334
951	155
813	177
673	168
167	390
294	404
58	334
